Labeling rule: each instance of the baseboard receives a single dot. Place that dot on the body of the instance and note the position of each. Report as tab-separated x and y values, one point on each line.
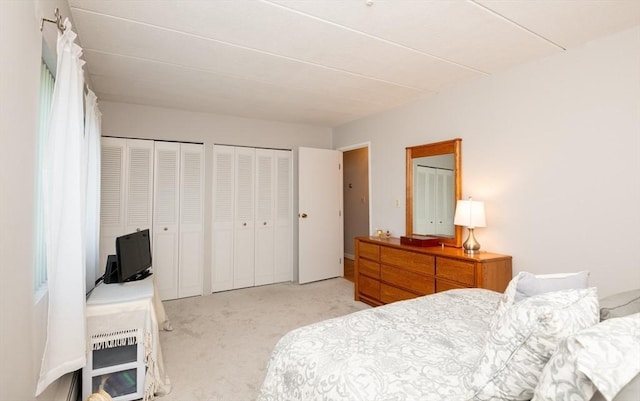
69	387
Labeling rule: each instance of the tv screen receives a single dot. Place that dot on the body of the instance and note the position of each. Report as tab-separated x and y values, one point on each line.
133	254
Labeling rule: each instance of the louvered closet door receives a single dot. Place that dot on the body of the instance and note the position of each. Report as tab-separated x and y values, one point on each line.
191	218
445	202
112	193
264	220
283	231
420	218
243	247
139	179
126	190
165	218
430	195
223	217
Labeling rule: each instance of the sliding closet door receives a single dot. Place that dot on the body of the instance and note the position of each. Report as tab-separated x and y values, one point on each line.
244	241
165	218
264	221
191	220
223	217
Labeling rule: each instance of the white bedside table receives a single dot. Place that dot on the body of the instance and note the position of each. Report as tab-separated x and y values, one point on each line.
123	349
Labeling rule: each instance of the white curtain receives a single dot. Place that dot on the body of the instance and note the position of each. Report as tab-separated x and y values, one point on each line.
92	151
64	207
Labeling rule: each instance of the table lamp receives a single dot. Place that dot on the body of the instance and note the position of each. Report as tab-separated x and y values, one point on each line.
470	214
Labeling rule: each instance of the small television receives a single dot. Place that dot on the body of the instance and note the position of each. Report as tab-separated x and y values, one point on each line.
133	257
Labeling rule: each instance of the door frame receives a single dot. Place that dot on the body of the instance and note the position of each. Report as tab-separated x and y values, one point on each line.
354	147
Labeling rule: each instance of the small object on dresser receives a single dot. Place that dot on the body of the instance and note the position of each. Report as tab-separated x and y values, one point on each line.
419	240
379	233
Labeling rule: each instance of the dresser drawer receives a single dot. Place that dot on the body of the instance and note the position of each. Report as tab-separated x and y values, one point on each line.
369	251
390	294
369	268
389	271
407	279
456	270
369	287
444	285
415	261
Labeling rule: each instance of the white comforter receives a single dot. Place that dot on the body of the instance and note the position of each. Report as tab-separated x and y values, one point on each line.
420	349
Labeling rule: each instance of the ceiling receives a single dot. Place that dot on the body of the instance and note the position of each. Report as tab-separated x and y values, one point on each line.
320	62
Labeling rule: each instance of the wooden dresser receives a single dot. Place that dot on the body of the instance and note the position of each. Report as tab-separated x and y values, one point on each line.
387	271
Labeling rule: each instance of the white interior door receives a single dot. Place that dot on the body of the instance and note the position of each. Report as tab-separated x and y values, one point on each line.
319	214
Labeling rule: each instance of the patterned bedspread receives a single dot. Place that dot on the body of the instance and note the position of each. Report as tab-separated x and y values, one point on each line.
420	349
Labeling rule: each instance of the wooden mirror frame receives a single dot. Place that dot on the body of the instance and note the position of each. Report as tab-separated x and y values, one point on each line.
453	146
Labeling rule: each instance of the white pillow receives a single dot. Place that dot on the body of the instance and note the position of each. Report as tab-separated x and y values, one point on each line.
611	354
620	305
561	379
605	357
522	341
531	284
506	300
526	284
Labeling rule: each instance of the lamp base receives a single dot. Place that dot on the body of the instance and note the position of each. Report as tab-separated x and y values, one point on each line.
471	246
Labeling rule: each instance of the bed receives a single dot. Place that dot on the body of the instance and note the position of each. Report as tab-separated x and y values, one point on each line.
465	344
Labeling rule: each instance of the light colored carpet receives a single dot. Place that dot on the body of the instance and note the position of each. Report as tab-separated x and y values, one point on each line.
221	343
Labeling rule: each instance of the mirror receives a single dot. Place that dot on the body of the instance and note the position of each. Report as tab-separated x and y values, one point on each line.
434	184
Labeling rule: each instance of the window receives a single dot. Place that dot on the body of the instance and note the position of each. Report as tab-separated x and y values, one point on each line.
40	251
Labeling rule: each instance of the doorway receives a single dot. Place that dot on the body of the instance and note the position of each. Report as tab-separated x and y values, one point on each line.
356	201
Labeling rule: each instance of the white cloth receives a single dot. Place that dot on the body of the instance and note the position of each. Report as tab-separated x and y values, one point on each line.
117	312
92	180
64	207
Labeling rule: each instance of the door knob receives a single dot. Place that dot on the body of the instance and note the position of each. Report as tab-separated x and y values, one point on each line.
264	224
244	224
165	229
303	215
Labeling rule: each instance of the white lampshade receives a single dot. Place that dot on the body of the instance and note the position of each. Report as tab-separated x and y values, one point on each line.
470	213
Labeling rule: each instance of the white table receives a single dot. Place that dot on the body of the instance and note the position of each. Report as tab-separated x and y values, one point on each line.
122	331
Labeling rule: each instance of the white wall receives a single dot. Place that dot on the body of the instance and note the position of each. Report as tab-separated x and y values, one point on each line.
553	149
22	316
134	121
